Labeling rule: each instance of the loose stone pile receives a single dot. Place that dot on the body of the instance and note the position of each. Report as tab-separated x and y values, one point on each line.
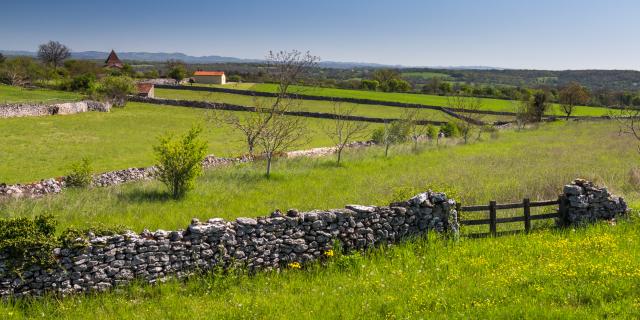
257	244
587	203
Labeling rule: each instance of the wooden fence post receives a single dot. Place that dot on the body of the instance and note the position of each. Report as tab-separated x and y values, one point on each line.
527	215
562	210
492	218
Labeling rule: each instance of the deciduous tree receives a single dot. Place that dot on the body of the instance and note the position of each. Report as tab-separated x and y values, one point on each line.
53	53
343	131
571	96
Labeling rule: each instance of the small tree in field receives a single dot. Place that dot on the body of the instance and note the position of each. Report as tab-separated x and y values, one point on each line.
344	130
53	53
180	161
468	109
115	89
285	68
279	134
538	105
411	118
571	96
392	133
629	122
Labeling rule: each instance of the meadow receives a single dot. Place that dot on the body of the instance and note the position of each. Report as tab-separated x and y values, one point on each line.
435	100
375	111
34	148
582	273
494	169
12	94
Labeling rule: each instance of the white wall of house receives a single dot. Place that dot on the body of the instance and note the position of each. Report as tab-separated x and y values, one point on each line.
211	79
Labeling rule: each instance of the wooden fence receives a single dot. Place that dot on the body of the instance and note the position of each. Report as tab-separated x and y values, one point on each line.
493	219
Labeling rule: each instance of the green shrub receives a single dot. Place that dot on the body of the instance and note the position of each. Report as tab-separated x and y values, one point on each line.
26	242
180	161
378	135
432	132
80	175
450	129
115	89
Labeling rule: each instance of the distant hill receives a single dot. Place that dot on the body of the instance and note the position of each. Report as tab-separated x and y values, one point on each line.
163	56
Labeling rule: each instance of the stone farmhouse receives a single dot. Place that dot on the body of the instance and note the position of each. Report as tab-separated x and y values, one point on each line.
210	77
113	61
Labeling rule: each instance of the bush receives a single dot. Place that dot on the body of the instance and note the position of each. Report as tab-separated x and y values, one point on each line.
81	83
80	175
235	78
115	89
450	129
26	242
432	132
378	135
180	161
371	85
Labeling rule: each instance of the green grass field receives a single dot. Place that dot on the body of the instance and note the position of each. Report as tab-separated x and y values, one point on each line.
426	75
42	147
586	273
307	105
11	94
500	169
488	104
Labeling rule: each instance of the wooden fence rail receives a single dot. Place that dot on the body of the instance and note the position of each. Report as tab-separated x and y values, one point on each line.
526	205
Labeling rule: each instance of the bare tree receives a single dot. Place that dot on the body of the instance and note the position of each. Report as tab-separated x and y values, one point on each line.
571	96
281	133
469	119
53	53
285	68
629	122
344	130
412	118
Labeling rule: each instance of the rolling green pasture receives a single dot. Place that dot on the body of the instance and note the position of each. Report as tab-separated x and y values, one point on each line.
40	147
306	105
426	75
11	94
488	104
587	273
532	163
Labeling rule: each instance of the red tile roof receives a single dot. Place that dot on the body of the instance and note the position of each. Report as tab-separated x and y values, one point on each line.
113	60
208	73
144	87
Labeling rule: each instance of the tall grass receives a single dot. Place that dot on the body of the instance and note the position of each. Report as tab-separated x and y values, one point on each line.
531	163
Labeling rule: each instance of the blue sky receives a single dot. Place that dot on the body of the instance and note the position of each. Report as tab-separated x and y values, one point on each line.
539	34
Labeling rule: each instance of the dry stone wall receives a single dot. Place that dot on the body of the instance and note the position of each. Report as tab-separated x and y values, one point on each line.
36	110
256	244
584	202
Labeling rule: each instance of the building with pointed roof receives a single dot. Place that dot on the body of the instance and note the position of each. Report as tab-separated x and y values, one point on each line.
113	61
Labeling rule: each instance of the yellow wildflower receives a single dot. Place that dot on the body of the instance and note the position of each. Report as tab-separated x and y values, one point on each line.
329	253
294	265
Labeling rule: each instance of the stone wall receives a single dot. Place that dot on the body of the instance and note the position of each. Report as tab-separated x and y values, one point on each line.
234	107
256	244
584	202
36	110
